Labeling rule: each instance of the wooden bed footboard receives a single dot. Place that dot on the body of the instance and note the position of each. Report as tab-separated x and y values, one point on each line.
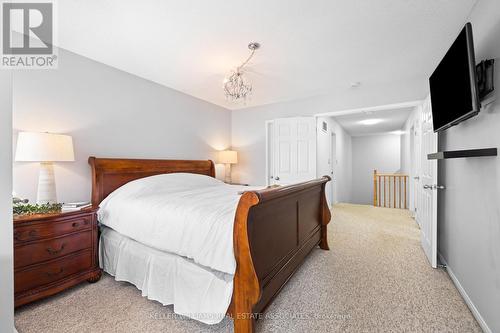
275	229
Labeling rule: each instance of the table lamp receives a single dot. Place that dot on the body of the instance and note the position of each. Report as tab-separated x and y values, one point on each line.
228	157
45	148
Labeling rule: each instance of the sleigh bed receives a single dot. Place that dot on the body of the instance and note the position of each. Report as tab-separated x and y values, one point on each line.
274	228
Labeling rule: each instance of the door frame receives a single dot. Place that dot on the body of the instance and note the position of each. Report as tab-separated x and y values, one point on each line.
269	127
333	167
331	187
373	109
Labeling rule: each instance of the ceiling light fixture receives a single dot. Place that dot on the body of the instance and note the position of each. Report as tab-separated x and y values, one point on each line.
236	85
370	121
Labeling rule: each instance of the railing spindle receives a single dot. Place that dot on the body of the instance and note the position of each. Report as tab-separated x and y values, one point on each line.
406	207
399	191
394	187
385	183
379	191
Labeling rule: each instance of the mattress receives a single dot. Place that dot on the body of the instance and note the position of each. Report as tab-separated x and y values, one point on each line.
185	214
195	291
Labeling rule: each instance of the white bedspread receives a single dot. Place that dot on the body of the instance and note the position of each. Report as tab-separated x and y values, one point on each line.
186	214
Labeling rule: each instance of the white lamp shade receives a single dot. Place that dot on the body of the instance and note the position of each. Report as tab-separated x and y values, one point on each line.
44	147
228	157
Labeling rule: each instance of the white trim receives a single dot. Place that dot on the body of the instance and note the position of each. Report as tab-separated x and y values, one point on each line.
377	134
371	109
468	301
316	119
268	176
334	168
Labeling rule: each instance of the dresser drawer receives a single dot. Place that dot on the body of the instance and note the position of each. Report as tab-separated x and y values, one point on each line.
42	274
41	230
52	248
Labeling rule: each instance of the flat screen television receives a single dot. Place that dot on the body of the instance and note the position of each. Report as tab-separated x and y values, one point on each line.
453	85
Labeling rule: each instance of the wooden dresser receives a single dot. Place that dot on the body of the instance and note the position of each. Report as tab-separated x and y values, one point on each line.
54	252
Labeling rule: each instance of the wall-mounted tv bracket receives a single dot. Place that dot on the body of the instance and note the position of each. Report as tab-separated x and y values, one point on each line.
485	78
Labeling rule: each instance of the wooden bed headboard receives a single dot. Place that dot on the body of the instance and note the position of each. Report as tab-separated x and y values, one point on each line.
108	174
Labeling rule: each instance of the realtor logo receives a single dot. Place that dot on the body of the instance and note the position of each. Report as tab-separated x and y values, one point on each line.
28	35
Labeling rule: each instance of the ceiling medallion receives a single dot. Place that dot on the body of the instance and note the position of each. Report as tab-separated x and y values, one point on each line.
236	86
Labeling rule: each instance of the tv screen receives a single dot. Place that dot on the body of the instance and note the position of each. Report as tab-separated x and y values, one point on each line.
453	84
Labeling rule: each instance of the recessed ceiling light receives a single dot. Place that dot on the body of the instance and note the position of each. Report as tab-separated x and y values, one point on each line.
370	121
355	84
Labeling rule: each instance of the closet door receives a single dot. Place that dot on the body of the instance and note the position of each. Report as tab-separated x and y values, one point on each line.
294	150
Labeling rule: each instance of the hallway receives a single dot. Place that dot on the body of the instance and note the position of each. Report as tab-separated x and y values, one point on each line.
379	263
375	278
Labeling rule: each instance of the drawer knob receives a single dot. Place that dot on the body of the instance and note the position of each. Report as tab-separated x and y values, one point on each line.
52	274
53	251
75	224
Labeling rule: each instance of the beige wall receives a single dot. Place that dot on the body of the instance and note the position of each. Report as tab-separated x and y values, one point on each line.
110	113
469	208
248	125
372	152
6	247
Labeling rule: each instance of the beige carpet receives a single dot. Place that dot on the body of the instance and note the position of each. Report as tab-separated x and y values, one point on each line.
375	278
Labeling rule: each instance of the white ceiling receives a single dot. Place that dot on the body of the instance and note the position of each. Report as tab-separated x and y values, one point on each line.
308	47
390	120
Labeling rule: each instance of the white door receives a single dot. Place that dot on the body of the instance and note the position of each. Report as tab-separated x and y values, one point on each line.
427	203
415	163
294	150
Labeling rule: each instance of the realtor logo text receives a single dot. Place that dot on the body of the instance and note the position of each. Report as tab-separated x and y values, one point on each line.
28	35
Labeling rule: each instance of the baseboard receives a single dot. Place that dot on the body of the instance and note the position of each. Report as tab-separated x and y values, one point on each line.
468	301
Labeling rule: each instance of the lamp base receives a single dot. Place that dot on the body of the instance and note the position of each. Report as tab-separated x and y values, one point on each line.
227	173
46	184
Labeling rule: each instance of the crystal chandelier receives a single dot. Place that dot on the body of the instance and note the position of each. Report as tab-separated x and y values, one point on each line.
236	85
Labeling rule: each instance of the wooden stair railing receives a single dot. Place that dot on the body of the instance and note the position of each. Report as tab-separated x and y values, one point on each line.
390	190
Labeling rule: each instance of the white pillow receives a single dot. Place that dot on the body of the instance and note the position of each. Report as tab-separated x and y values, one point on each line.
170	182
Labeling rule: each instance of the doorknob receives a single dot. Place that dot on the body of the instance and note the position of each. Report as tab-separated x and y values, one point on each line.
277	178
416	178
434	187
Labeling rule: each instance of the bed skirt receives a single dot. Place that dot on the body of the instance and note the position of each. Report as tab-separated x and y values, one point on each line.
195	291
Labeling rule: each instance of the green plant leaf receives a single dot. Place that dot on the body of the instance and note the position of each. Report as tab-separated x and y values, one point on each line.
29	209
